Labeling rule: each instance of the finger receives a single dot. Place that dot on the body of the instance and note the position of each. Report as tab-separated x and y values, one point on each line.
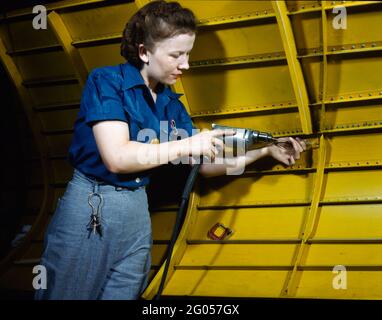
286	161
218	143
291	160
302	143
297	147
219	132
216	151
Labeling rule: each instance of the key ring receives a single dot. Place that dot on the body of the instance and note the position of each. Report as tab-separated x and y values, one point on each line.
99	204
95	217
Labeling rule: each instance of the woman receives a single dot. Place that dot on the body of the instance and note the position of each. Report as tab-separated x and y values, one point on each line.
98	243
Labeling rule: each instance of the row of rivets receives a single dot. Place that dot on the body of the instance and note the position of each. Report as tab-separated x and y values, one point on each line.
360	95
235	60
233	17
240	108
353	46
355	125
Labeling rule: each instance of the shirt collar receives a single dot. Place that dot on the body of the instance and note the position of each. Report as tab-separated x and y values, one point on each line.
132	78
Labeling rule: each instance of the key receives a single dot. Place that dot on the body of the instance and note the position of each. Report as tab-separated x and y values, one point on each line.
95	218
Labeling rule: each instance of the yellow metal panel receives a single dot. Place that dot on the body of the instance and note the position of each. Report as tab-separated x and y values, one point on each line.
353	116
44	65
311	69
350	221
219	88
163	224
347	255
222	283
101	55
356	148
285	123
58	120
24	36
251	223
97	22
56	94
158	252
257	190
218	8
213	44
354	185
347	76
307	31
238	254
360	285
363	27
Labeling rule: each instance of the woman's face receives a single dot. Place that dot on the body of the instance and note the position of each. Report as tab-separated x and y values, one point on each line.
168	59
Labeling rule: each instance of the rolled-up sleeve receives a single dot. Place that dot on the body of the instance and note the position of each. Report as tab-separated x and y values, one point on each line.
102	98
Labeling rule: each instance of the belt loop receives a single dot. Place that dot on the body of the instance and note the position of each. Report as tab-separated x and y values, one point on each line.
95	187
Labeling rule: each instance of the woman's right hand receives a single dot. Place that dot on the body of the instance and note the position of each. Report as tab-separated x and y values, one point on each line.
205	143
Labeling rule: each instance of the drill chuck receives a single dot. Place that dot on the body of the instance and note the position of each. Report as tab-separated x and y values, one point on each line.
244	139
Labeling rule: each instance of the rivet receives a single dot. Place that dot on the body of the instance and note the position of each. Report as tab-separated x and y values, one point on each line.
362	45
353	46
380	93
265	11
341	97
369	94
351	97
333	49
360	95
373	44
257	13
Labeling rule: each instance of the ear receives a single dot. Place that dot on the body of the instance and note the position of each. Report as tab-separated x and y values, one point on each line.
143	54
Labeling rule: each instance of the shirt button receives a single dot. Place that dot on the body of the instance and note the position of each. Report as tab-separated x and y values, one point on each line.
137	180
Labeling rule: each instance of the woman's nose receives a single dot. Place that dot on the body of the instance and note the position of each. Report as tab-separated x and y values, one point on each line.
184	64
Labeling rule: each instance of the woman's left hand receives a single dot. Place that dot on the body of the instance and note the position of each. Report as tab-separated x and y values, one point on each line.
287	150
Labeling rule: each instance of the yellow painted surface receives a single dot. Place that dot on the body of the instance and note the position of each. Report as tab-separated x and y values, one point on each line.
252	223
251	67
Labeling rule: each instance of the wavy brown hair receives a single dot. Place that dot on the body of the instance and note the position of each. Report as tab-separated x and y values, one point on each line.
156	21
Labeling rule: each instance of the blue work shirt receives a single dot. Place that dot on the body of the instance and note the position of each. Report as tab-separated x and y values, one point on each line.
119	93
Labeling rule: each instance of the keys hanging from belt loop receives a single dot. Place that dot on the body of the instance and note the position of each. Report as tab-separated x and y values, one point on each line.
95	218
